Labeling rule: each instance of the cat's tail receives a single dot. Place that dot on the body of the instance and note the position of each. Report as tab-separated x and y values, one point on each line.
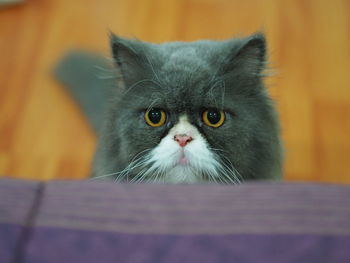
89	78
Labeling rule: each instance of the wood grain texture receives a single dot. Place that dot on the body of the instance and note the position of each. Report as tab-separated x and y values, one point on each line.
43	135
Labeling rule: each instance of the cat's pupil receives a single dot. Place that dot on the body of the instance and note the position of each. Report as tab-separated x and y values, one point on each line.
155	115
213	116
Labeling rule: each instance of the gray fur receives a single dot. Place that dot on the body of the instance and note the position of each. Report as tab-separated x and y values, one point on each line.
187	77
90	80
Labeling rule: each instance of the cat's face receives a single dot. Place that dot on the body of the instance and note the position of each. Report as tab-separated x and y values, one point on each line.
190	112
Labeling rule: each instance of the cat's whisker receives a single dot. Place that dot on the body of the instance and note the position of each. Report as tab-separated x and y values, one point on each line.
227	171
136	162
110	174
210	177
106	69
216	149
163	177
226	177
238	176
146	161
111	59
152	68
141	175
147	172
221	180
138	158
99	76
153	102
232	172
211	94
132	165
156	175
102	176
229	166
161	173
153	172
223	95
137	83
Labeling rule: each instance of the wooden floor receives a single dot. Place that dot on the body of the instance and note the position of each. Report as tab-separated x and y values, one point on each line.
44	136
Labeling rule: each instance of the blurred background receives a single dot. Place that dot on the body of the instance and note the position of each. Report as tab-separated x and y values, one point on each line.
43	134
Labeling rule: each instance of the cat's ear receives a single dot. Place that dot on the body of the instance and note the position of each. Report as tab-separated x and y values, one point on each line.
129	59
248	58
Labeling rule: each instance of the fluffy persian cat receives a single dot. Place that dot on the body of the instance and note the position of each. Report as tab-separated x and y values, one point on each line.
183	112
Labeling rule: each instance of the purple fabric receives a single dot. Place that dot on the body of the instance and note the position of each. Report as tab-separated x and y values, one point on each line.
16	201
62	245
86	221
9	238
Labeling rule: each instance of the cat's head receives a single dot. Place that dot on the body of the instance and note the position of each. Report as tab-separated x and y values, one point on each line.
190	112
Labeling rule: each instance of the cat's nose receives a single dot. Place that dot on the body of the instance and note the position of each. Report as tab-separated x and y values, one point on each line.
183	139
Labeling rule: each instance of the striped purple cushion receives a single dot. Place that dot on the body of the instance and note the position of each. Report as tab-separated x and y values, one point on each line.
87	222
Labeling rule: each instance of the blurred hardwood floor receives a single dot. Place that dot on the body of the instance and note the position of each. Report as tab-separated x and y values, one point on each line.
44	136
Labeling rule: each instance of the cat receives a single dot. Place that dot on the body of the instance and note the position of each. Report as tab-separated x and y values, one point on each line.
182	112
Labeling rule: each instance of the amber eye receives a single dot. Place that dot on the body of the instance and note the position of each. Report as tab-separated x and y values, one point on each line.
155	117
213	118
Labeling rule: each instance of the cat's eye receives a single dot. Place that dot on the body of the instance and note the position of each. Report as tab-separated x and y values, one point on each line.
213	118
155	117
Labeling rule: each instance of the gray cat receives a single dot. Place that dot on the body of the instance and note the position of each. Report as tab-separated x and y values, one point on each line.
179	112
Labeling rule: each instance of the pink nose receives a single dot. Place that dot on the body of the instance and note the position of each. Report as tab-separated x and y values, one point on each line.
182	139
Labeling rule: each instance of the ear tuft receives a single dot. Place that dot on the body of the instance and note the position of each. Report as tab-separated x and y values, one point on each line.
122	50
129	58
250	57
